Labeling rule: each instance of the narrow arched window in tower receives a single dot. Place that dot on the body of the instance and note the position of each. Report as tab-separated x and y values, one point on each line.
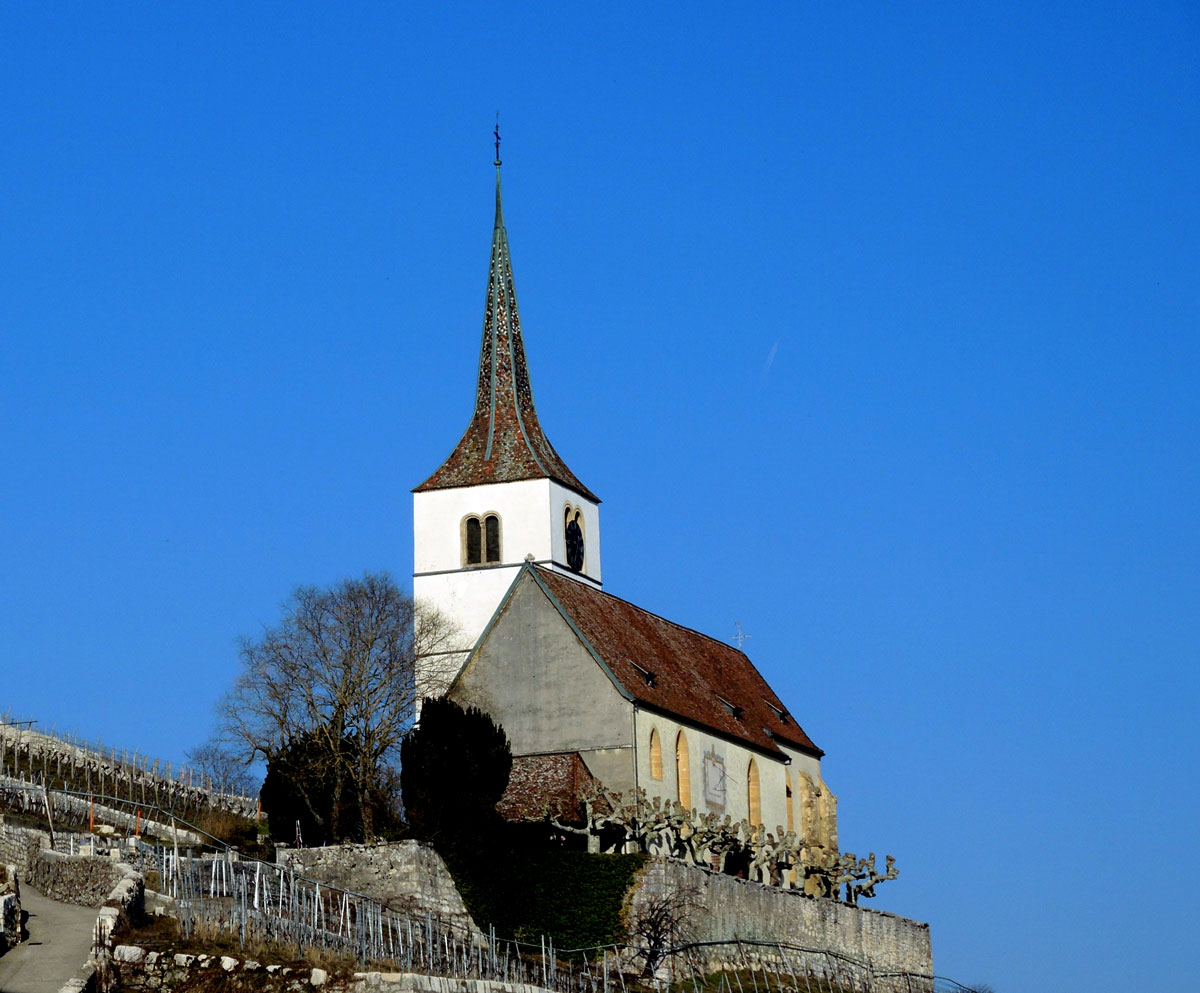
683	772
753	795
481	540
655	754
573	537
791	817
491	531
473	541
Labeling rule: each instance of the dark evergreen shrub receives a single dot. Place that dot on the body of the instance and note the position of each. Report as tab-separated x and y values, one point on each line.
454	766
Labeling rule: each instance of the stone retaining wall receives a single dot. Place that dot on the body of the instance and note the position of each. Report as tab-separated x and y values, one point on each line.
10	908
723	908
19	845
10	921
404	875
410	876
84	880
141	970
89	881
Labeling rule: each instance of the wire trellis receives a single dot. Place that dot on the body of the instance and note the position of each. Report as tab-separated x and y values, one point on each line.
71	763
259	901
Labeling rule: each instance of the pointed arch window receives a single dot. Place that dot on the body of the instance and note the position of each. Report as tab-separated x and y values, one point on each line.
655	754
753	794
481	540
683	771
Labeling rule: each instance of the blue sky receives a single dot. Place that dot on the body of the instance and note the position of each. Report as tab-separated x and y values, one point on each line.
874	325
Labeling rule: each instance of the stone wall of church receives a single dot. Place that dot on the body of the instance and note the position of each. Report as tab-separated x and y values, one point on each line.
723	907
534	677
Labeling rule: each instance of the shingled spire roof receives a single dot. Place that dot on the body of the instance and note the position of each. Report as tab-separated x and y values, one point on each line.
504	442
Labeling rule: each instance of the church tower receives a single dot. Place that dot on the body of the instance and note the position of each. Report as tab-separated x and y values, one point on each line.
503	497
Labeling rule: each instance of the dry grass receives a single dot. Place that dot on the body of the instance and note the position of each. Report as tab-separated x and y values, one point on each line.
233	829
162	934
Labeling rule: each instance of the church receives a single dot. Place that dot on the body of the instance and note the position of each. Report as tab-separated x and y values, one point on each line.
591	689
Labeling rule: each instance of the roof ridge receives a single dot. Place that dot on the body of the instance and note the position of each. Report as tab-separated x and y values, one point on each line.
665	620
715	674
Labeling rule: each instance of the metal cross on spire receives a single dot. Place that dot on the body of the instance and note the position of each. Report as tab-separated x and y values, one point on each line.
741	635
497	135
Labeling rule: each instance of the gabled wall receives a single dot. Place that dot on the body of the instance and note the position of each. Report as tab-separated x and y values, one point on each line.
535	677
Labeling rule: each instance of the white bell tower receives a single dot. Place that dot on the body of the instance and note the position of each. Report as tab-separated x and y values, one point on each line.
501	498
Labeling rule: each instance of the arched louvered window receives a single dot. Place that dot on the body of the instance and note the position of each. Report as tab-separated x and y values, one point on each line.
655	754
753	794
481	540
683	772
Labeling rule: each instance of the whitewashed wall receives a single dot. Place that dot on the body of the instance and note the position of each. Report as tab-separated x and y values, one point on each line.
772	772
560	498
531	524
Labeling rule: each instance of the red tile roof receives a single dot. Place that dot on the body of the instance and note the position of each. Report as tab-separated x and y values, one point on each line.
677	670
551	782
504	442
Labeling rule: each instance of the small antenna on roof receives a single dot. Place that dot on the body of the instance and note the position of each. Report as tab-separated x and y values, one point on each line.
496	133
741	635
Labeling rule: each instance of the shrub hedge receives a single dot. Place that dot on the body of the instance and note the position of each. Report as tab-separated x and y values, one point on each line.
574	897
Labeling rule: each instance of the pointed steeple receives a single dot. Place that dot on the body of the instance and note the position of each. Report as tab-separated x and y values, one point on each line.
504	442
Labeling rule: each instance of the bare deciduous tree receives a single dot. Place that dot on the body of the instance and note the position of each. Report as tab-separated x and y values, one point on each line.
221	769
663	917
338	672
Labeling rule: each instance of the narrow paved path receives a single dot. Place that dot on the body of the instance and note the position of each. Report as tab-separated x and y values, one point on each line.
60	940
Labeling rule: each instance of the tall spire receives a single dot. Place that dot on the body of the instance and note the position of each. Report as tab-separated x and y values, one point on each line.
504	442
